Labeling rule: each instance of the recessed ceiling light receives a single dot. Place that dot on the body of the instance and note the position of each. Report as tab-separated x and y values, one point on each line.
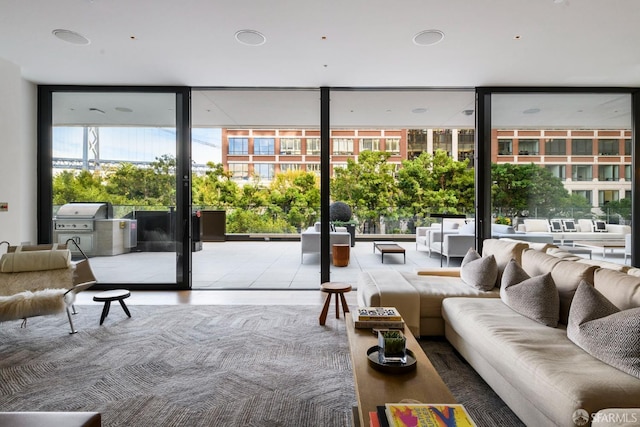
428	37
467	112
250	37
71	37
531	111
419	110
124	109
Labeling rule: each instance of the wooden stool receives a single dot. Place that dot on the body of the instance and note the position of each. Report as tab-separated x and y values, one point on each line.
114	295
340	254
338	289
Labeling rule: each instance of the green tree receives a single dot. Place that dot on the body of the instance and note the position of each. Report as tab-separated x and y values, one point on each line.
620	207
368	186
435	184
526	189
216	189
82	186
296	195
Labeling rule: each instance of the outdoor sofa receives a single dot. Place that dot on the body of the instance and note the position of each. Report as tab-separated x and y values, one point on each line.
310	240
564	231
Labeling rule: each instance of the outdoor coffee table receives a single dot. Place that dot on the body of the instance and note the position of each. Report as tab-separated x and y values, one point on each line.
389	248
374	388
601	245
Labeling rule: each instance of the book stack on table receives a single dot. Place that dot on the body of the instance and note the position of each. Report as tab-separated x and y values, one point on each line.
378	318
420	415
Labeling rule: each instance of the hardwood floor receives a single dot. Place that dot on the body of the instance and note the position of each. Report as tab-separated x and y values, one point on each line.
222	297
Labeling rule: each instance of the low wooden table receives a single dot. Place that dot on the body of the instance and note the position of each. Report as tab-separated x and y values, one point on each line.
601	244
375	388
389	248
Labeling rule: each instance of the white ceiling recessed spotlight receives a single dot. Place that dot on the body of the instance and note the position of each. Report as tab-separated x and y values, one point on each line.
124	109
250	37
419	110
428	37
71	37
467	112
531	111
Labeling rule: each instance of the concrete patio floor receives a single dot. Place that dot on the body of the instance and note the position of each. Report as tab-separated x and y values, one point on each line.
264	265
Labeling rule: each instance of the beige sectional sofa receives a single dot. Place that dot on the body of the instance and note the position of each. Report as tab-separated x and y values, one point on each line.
537	370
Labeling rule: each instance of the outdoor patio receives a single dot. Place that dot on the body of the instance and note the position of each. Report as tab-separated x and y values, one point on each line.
266	265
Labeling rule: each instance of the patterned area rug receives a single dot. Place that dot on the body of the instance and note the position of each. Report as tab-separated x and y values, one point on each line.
182	366
270	366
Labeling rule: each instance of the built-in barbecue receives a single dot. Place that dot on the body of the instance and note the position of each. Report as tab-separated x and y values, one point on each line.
93	228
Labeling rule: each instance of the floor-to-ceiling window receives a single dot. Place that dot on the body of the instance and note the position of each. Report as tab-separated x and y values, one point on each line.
113	180
255	178
569	156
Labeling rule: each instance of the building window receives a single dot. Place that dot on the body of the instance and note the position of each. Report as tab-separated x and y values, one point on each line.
608	172
608	147
528	147
559	171
238	146
584	193
555	147
505	147
313	146
627	147
286	167
264	146
369	144
264	170
392	145
466	145
239	171
442	140
582	173
343	146
581	147
314	168
627	172
606	196
290	146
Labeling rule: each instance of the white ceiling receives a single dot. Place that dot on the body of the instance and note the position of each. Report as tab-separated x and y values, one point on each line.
336	43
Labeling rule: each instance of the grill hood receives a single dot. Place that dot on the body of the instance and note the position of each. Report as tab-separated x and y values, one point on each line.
85	211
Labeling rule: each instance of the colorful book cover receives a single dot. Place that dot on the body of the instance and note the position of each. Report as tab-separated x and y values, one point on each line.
427	415
378	313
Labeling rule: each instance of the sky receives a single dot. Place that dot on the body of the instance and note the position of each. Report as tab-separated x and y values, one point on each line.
138	144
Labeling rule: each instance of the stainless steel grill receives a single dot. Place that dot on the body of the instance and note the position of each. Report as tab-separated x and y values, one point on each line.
92	227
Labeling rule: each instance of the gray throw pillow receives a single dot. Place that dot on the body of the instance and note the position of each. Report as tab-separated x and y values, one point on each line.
604	331
534	297
479	272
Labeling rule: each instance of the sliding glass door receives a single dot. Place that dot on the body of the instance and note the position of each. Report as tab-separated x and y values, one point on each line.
113	182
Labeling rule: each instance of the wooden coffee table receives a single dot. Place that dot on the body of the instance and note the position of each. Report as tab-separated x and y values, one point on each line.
374	388
389	248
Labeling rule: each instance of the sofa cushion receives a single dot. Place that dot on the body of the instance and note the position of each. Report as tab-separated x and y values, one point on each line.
599	226
621	289
503	251
566	275
604	331
19	261
569	226
534	297
545	369
586	225
479	272
536	225
468	228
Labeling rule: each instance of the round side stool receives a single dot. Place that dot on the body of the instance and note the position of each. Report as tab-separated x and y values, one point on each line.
113	295
336	288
